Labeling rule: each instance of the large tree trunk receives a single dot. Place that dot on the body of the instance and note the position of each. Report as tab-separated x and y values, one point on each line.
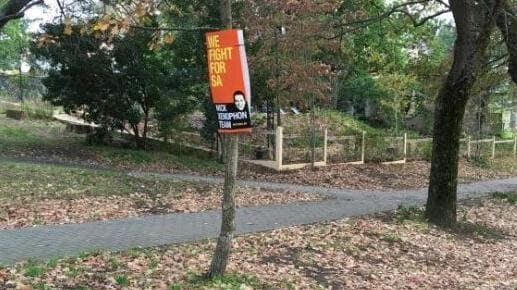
231	156
474	24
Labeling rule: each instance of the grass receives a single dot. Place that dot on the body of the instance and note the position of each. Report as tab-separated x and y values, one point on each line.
504	165
509	197
29	134
51	181
477	231
177	155
480	161
50	140
18	135
38	110
228	282
122	280
412	213
33	269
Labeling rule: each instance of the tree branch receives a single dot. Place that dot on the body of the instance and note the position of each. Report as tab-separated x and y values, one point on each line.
399	8
15	9
508	27
200	28
391	11
422	21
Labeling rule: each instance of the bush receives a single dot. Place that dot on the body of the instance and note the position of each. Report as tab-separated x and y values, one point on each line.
510	197
383	149
480	161
420	150
99	136
410	214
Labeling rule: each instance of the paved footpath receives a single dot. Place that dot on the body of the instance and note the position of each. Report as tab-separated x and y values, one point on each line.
45	242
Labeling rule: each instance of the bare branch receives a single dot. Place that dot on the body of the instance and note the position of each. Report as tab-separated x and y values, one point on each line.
61	8
420	22
397	9
15	9
444	3
201	28
508	27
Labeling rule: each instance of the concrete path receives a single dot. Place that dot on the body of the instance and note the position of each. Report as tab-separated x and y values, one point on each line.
45	242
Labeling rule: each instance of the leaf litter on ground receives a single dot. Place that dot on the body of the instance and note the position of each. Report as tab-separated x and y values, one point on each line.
380	251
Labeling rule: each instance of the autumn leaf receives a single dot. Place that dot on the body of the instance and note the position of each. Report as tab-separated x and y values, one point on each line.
68	26
45	39
83	30
103	24
67	30
168	38
140	11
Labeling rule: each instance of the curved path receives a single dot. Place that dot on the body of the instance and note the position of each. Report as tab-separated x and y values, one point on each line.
45	242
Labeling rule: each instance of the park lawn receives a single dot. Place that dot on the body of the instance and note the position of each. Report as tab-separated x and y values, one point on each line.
32	194
49	140
395	250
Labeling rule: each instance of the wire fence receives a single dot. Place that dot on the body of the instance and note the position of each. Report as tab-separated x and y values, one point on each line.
21	88
343	149
319	148
307	147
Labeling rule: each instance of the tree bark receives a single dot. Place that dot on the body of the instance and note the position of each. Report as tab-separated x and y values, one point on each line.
474	24
146	128
231	156
136	134
224	242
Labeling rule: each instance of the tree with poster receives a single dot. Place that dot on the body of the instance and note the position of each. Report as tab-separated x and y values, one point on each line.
231	95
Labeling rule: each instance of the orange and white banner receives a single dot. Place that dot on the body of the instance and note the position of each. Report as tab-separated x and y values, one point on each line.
229	80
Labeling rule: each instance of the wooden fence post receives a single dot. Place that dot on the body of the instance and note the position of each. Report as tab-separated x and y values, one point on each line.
279	138
405	147
493	148
325	143
468	147
363	146
515	146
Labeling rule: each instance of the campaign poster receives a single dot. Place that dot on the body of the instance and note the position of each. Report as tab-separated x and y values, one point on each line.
229	80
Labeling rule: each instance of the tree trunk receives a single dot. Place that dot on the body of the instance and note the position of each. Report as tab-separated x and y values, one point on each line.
270	127
136	133
474	24
231	154
224	242
220	147
146	127
441	202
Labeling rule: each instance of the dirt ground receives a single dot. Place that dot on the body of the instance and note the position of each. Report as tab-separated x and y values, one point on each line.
378	176
28	212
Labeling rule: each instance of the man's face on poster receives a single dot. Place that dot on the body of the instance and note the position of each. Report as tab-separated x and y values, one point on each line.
240	101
